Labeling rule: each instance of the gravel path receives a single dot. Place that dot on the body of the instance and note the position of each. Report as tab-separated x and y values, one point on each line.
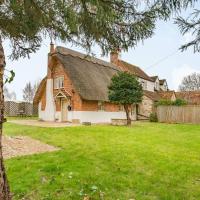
22	145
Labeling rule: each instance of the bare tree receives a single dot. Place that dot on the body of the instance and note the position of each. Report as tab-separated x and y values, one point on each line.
190	83
28	92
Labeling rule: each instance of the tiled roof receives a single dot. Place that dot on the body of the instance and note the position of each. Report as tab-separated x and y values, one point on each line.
166	94
135	70
192	97
152	95
162	81
154	78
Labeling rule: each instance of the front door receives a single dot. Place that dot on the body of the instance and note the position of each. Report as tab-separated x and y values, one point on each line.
64	110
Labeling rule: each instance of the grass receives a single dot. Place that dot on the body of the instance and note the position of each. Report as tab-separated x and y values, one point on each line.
22	118
148	161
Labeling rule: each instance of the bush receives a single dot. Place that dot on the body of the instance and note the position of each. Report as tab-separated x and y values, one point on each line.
164	102
153	117
177	102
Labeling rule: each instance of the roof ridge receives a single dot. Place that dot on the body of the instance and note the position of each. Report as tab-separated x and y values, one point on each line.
84	57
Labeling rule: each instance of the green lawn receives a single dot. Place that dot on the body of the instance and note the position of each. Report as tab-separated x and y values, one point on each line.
143	162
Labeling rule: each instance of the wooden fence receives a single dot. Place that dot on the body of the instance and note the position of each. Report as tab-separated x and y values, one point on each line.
12	108
179	114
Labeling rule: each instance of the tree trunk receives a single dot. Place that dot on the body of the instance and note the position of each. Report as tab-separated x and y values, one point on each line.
126	108
4	187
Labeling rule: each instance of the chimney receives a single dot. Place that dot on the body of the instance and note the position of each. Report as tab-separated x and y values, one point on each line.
50	61
52	48
114	56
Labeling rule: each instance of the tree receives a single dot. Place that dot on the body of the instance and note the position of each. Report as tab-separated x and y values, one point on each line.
190	83
125	90
9	96
109	24
28	93
190	25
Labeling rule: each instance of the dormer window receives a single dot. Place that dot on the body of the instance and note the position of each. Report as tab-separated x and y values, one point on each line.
59	82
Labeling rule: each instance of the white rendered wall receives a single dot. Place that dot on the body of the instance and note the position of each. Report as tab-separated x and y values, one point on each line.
58	116
149	84
96	116
50	104
41	114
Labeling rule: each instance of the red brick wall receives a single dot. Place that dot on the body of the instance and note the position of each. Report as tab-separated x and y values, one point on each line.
75	98
93	106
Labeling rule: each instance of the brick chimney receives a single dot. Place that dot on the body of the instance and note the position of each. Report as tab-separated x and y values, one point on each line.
52	49
114	56
50	61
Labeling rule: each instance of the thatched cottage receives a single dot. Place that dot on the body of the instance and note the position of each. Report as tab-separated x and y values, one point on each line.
76	88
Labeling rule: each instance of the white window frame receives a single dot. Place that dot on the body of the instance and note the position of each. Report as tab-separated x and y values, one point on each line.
59	82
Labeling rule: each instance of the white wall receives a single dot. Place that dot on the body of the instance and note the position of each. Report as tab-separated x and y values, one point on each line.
149	84
157	84
58	116
164	87
41	114
49	113
50	104
96	116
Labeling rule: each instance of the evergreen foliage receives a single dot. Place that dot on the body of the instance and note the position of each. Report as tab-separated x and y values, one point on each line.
153	117
125	90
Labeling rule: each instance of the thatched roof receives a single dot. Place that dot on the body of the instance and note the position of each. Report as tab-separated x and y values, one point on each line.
90	76
192	97
135	70
40	90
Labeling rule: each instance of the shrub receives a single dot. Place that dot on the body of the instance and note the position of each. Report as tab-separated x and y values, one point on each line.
153	117
163	102
179	102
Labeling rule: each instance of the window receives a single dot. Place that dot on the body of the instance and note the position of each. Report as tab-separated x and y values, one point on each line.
59	82
101	105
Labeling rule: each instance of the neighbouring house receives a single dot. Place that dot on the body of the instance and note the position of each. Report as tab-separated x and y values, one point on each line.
163	85
76	88
191	97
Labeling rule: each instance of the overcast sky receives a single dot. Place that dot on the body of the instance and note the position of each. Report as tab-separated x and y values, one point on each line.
158	55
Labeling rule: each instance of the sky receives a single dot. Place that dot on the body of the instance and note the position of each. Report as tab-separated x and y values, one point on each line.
158	55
